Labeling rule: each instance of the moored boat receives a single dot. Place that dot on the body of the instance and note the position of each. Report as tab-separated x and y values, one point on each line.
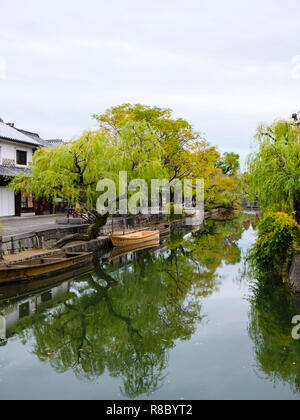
40	267
136	238
122	251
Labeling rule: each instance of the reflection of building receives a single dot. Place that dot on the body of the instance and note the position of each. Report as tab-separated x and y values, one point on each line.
2	328
250	205
16	152
27	307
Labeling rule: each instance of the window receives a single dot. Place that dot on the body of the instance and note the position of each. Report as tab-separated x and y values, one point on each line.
46	297
24	310
21	158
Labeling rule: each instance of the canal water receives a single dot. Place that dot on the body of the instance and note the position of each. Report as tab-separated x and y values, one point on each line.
179	321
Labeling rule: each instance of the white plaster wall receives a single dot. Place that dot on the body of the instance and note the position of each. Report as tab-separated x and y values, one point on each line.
8	151
7	202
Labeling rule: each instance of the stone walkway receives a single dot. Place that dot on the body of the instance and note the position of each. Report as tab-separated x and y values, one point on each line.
18	225
26	255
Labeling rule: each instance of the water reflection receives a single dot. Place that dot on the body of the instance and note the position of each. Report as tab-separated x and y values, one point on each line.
270	327
127	314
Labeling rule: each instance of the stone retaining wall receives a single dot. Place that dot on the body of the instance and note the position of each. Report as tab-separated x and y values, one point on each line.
46	239
132	222
294	275
35	240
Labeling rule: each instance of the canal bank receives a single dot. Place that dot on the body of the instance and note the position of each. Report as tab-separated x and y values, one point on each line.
294	276
43	239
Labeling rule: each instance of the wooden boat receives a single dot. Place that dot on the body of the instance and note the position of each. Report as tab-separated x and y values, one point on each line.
40	267
136	238
14	291
122	251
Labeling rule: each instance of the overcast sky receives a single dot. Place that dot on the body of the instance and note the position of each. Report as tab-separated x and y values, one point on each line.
225	66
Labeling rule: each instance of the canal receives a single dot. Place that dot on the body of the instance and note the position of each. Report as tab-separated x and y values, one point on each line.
180	321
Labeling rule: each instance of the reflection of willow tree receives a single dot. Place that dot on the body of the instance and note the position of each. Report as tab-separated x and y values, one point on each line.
270	328
125	324
216	244
126	320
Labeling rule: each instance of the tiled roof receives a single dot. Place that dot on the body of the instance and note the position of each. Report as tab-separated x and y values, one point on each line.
10	133
13	171
16	134
36	137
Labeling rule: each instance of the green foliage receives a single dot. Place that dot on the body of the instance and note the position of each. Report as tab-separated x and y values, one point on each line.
137	151
147	143
184	153
229	164
274	170
244	182
272	310
277	233
170	209
175	136
93	230
69	171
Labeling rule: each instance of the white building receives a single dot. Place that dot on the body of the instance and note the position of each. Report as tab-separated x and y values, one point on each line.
16	152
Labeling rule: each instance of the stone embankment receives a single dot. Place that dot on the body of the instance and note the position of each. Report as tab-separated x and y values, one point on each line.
19	245
45	239
294	277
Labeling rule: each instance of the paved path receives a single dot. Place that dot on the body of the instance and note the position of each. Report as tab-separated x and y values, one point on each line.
24	224
29	254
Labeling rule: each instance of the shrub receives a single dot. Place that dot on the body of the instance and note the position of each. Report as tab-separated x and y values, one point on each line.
277	234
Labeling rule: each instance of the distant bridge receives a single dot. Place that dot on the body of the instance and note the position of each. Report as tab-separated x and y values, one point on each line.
250	205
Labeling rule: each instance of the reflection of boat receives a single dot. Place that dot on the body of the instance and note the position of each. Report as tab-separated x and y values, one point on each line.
121	251
137	238
39	285
43	266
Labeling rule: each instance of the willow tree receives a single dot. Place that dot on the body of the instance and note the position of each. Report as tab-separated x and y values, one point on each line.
136	150
72	170
185	153
274	168
69	171
229	164
174	135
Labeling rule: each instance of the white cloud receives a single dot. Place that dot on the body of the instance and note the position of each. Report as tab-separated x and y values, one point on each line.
222	65
296	67
2	68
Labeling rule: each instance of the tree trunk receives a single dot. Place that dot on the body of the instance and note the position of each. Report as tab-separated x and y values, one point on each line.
297	209
92	233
